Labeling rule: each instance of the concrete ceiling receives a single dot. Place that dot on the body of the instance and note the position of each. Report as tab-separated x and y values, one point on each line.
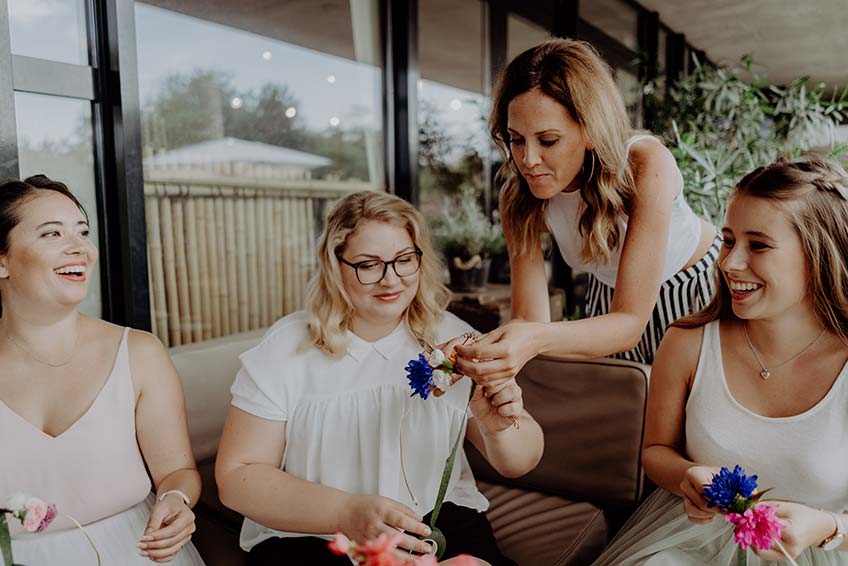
788	38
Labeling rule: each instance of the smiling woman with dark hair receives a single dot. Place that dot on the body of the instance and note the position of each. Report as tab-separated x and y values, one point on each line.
86	407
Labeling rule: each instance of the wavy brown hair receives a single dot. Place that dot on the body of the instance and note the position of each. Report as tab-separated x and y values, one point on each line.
814	195
328	305
572	73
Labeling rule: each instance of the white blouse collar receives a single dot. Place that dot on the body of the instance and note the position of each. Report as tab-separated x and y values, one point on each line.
358	348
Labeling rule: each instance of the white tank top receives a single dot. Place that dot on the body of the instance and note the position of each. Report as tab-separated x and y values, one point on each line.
563	220
803	457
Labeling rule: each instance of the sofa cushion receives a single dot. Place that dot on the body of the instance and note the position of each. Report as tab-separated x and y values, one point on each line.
207	370
535	529
592	415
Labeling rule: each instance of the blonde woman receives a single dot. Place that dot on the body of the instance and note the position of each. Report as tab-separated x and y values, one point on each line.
759	379
311	445
611	199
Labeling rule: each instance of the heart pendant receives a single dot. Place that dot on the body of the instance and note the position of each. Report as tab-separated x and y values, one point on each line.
765	374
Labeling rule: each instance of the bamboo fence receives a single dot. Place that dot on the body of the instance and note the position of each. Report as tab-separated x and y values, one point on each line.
226	259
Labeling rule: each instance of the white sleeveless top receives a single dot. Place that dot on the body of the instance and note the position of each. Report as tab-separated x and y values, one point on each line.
563	220
802	457
344	416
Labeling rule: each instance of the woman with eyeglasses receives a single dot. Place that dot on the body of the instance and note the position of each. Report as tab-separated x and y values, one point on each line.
312	447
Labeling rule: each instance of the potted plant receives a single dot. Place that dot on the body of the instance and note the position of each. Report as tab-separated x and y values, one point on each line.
720	123
468	239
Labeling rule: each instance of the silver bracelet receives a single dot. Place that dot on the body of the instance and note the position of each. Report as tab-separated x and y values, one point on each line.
176	492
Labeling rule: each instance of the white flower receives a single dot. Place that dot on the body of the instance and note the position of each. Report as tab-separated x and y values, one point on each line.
17	502
441	380
437	358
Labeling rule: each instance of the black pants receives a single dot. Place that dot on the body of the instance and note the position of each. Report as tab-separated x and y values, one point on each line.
466	530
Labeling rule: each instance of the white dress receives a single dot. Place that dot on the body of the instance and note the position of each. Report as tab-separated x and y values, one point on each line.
93	472
802	458
343	417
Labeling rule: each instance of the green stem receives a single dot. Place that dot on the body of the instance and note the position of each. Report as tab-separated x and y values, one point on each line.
446	474
741	556
5	541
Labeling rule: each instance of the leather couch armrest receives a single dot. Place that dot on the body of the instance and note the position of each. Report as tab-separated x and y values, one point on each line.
592	414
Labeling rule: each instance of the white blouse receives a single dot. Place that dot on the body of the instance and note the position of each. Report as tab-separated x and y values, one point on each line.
343	417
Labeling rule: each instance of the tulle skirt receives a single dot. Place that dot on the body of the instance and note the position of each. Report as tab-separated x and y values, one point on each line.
116	538
660	534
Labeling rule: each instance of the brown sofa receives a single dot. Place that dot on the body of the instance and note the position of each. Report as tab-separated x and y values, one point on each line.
562	513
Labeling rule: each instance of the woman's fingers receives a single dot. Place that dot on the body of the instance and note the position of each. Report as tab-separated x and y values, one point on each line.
484	370
181	521
168	542
408	542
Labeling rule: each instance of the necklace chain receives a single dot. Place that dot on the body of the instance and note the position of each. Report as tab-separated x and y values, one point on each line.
766	373
46	363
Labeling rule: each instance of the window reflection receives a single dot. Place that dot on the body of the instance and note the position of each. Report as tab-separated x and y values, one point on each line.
49	29
253	123
452	109
55	138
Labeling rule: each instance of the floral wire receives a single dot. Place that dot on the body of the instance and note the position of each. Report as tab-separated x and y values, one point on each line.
80	527
406	408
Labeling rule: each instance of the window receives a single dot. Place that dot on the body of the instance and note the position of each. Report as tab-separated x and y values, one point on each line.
55	139
254	121
453	141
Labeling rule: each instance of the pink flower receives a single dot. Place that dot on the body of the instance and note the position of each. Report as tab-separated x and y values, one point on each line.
48	517
340	545
758	527
35	512
381	551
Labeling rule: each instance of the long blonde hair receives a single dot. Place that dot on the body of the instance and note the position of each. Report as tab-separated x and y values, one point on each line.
814	195
572	73
328	305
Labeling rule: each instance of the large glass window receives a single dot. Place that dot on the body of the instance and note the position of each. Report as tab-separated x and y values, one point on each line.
254	121
452	109
49	29
55	139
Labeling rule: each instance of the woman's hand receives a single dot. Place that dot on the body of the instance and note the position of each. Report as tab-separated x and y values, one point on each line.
497	411
368	516
499	355
804	527
692	487
169	528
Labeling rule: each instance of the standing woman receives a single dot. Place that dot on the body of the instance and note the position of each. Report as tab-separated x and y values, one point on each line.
611	199
86	407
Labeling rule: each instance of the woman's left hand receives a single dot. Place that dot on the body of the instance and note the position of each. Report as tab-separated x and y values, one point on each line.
499	410
499	355
169	528
805	527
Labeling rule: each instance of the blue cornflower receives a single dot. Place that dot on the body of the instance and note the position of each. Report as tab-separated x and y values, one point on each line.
727	486
420	376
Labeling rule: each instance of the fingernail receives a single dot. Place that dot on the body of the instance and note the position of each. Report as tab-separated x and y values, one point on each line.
146	538
427	530
143	553
142	545
148	529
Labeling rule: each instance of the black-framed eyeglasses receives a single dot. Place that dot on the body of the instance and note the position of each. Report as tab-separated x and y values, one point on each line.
372	271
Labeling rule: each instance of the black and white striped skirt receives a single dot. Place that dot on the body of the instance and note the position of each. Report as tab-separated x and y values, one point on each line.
684	293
